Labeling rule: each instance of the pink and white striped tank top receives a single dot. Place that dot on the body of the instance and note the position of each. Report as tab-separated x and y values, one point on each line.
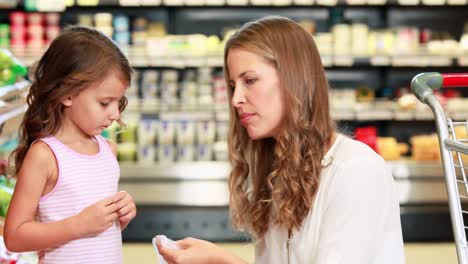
82	181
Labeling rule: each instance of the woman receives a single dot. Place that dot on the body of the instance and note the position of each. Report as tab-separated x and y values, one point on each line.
306	193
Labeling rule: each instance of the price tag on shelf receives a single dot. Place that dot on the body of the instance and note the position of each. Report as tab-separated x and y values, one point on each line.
404	115
410	60
326	60
343	115
440	61
214	61
129	2
343	61
139	61
375	114
458	116
463	60
87	2
424	115
380	60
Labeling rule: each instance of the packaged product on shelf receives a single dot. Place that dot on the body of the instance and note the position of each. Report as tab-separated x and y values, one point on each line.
134	84
359	39
425	147
166	132
51	32
52	19
149	105
121	23
169	93
205	97
220	149
17	19
222	130
85	20
188	94
390	149
103	23
341	39
146	154
147	131
128	134
11	69
185	131
169	76
149	84
204	152
206	131
185	153
166	153
4	36
127	152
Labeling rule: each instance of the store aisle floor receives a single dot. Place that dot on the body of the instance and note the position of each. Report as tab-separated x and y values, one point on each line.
416	253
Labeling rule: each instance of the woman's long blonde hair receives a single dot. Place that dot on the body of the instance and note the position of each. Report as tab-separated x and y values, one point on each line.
275	181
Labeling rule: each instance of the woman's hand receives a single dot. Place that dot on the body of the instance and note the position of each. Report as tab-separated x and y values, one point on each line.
196	251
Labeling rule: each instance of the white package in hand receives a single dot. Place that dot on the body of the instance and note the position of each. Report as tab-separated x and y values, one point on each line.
166	243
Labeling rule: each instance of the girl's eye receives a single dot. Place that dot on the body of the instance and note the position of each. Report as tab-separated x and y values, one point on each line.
104	103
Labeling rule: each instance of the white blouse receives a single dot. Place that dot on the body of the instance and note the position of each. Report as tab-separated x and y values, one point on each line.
355	218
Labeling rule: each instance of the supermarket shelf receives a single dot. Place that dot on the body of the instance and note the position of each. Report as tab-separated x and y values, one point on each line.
219	171
410	169
192	171
9	122
205	183
339	3
13	90
181	62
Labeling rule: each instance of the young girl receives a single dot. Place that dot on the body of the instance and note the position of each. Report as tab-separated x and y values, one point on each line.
66	203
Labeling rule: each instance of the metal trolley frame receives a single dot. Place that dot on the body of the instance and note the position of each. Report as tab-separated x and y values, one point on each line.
453	150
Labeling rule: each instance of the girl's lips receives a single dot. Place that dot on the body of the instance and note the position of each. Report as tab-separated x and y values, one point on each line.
245	117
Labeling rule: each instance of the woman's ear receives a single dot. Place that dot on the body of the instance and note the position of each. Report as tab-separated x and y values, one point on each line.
66	101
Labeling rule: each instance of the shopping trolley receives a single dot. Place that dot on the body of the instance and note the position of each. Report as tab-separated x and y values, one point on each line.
453	150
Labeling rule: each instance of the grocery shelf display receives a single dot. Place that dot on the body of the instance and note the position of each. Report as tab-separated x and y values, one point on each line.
173	154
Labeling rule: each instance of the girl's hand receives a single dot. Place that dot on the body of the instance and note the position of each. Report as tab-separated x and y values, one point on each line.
96	218
126	208
196	251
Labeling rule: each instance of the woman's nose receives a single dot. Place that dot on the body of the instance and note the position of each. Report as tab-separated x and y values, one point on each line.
238	97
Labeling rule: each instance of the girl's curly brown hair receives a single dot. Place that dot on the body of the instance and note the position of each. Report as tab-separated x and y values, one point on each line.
77	58
274	181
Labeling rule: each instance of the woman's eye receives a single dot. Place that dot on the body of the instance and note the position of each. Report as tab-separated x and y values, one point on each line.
104	103
250	81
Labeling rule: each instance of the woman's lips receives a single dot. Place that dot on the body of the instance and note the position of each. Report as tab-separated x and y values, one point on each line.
244	118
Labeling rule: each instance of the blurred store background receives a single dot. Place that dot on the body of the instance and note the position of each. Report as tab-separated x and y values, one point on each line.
173	154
